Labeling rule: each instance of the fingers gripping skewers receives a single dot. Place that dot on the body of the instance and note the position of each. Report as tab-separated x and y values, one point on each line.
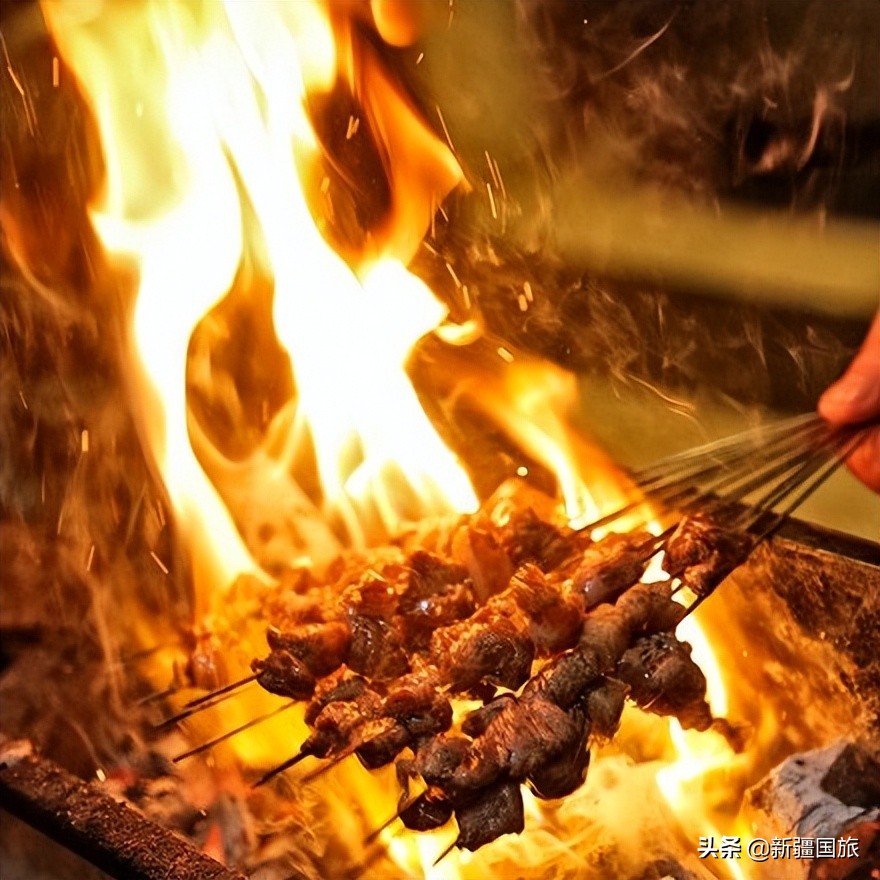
551	630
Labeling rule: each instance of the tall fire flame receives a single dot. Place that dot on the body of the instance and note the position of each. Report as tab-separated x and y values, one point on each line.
212	166
201	109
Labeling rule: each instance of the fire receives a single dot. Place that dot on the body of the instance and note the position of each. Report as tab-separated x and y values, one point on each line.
699	755
212	166
206	138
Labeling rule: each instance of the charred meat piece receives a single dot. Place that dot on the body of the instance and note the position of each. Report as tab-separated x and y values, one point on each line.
527	538
607	633
604	704
610	566
429	810
283	674
554	620
439	757
495	812
702	553
342	685
381	750
474	724
566	772
438	594
494	650
663	679
323	647
650	608
375	650
563	680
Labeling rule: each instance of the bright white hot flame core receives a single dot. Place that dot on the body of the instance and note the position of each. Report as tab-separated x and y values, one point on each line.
201	109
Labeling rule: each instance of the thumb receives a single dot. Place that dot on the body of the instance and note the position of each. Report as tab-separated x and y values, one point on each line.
855	397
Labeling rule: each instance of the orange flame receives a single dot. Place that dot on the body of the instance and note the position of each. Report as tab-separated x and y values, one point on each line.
201	109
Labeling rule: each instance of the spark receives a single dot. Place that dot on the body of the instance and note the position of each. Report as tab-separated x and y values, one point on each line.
9	69
523	302
23	401
454	276
637	51
84	440
28	109
354	123
445	129
159	562
419	59
465	295
91	558
504	354
56	72
492	201
500	179
527	289
492	170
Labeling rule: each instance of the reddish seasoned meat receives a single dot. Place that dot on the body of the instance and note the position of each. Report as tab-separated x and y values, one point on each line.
430	575
496	652
495	812
375	594
486	560
390	637
663	678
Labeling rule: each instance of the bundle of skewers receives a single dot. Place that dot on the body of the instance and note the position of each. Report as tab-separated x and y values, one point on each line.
551	628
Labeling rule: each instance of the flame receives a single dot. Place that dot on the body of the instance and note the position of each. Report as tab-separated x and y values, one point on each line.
699	756
201	109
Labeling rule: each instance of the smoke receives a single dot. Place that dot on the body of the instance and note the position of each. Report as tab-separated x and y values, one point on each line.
750	99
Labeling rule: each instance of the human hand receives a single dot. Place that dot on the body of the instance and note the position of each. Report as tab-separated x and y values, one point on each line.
854	398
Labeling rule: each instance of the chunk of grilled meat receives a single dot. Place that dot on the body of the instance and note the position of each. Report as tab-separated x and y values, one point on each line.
701	552
497	811
665	680
610	566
